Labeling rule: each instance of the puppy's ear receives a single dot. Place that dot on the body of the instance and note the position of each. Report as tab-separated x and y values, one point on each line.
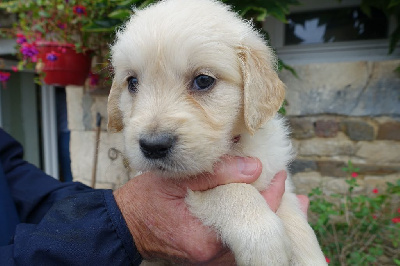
114	113
263	91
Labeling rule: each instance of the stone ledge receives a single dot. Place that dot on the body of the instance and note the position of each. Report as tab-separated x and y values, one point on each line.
356	88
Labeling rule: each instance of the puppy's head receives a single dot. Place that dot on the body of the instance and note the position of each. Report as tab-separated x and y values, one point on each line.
190	75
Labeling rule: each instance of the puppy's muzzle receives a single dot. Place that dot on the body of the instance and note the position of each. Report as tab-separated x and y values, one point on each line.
156	146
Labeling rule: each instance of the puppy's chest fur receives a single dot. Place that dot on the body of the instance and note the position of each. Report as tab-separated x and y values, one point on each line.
271	144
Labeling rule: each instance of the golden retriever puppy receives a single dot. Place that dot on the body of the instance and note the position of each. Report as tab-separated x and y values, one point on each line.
192	83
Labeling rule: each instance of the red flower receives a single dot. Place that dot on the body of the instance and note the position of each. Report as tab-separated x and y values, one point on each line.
375	191
354	174
14	68
80	10
374	216
396	220
327	260
398	210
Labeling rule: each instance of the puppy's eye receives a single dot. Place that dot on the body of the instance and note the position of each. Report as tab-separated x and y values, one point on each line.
132	84
203	83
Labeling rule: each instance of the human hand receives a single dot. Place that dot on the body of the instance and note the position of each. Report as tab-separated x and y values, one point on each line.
162	226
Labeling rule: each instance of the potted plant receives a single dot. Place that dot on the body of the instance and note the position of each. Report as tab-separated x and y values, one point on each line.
58	38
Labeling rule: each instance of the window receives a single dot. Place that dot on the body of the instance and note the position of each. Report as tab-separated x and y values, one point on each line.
328	31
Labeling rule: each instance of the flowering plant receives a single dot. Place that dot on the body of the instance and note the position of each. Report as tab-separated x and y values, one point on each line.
356	228
86	25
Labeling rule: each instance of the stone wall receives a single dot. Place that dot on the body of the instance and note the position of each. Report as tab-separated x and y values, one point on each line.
338	112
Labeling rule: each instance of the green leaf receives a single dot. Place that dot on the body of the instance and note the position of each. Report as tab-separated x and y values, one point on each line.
44	14
394	3
394	39
60	7
121	14
366	9
126	2
146	3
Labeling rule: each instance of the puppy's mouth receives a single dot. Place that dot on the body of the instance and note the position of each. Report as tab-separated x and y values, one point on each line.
162	157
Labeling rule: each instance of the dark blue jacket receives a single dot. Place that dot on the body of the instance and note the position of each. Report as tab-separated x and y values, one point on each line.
46	222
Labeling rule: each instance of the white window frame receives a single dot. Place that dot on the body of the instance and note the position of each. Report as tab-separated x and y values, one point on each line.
49	131
370	50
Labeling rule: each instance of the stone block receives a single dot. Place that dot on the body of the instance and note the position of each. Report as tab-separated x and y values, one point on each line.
332	185
306	181
358	130
99	106
299	165
340	145
371	182
357	88
326	128
379	152
111	172
378	170
74	107
301	127
389	131
331	168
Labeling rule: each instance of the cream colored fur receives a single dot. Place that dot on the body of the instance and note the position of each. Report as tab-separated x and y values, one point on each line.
165	47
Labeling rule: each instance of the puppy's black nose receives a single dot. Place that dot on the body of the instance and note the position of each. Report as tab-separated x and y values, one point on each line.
156	146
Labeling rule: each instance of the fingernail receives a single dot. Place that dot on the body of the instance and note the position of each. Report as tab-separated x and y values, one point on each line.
247	166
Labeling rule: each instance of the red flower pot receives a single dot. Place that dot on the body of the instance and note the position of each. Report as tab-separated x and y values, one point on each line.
62	65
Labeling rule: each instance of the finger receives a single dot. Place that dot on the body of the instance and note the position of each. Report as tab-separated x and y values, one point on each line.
273	194
229	170
304	203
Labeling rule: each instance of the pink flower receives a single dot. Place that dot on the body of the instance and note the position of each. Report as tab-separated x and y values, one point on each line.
94	79
80	10
62	26
374	217
14	68
354	174
327	260
396	220
375	191
4	77
29	50
21	38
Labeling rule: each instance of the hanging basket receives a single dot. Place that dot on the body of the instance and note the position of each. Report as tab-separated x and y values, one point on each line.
62	65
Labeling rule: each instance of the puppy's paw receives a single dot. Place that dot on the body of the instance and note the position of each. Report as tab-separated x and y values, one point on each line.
266	245
244	222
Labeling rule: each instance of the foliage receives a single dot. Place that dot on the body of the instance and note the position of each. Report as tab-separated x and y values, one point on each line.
391	8
358	229
59	21
92	24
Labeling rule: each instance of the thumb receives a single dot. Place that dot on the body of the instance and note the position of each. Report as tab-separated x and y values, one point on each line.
228	170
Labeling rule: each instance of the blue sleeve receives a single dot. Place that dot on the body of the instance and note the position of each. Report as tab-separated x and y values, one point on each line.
33	191
61	224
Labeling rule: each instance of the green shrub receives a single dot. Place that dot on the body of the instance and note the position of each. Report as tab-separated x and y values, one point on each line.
358	229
